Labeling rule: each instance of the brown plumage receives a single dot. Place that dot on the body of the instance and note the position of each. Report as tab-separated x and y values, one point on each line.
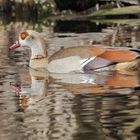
82	51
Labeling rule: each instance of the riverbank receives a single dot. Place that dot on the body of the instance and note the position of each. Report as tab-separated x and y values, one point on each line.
116	12
129	12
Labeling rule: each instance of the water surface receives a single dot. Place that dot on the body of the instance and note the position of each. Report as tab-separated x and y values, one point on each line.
40	106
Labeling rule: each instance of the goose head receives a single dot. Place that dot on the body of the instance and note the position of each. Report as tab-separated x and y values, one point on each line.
34	40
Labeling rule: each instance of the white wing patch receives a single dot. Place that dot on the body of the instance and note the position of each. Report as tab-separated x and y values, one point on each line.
86	61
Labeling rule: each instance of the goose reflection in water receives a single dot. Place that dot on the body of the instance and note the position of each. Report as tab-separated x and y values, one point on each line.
84	105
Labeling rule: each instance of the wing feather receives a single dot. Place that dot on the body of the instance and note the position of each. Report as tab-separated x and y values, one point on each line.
119	55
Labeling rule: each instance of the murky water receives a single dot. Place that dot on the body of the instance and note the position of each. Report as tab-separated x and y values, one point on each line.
40	106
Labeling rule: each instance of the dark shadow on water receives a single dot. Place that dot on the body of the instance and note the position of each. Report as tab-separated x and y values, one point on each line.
78	26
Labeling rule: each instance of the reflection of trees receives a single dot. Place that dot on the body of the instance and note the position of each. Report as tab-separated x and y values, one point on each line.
120	116
125	36
111	116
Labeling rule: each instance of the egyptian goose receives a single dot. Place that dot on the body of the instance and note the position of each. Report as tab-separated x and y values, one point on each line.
78	59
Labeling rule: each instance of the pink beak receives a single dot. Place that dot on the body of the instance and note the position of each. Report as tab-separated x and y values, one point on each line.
16	87
15	45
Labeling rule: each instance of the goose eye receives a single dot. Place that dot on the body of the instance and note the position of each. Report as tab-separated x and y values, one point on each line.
32	37
24	35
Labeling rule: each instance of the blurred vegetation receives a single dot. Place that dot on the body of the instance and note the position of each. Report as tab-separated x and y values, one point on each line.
38	10
26	10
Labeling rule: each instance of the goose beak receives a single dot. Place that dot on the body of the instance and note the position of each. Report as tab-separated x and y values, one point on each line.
15	45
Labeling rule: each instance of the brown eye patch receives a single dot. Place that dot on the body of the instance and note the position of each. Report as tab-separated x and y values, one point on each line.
23	35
